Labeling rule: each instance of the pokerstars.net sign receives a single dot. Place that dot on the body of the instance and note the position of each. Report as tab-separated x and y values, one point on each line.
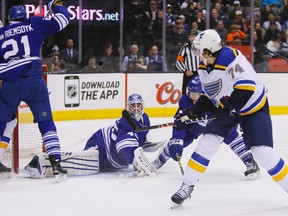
99	13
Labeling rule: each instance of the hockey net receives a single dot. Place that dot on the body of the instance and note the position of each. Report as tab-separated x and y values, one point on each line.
26	140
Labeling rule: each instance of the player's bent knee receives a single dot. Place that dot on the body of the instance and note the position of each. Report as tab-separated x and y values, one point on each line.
45	126
208	145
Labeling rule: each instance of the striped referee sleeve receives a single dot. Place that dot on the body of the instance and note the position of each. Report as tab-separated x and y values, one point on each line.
186	60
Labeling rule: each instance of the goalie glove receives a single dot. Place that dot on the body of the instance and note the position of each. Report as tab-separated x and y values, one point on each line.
142	165
52	3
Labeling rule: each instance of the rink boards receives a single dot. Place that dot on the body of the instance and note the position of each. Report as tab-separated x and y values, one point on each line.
102	95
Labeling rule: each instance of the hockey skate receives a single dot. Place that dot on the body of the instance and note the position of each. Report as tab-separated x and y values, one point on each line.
253	171
59	173
34	168
4	171
183	193
157	163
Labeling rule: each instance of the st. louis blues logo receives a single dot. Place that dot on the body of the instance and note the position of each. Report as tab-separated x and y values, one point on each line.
212	89
71	90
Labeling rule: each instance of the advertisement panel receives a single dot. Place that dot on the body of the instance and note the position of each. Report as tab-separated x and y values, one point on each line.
158	89
86	91
98	12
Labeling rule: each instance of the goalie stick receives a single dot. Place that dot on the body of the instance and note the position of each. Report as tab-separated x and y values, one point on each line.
131	122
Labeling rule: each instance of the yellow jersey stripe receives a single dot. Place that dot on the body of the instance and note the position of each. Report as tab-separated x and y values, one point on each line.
282	174
195	166
3	145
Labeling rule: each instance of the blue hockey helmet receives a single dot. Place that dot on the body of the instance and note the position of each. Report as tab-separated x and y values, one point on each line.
194	85
135	106
17	13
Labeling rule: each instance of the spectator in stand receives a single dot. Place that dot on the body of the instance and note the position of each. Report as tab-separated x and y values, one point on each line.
194	26
200	7
222	31
284	17
92	66
133	21
283	50
201	23
265	13
158	26
272	18
185	25
175	40
240	21
154	61
274	44
56	63
149	34
189	11
260	32
272	31
107	60
69	54
219	7
130	61
214	18
237	7
235	35
170	17
141	64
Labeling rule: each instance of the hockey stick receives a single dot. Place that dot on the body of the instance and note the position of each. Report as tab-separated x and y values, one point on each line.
179	163
276	54
131	122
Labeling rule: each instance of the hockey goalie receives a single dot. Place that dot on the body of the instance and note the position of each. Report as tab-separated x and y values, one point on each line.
109	148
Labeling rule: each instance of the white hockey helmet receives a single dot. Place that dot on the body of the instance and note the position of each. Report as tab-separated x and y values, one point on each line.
135	106
208	39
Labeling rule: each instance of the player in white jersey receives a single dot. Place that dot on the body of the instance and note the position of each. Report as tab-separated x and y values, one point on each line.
231	84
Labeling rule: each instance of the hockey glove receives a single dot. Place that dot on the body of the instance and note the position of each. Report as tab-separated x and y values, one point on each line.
180	121
224	113
52	3
175	146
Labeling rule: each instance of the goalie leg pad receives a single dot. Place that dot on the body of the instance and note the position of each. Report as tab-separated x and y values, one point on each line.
142	164
77	163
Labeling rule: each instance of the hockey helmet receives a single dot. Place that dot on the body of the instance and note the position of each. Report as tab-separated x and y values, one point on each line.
135	106
208	39
17	13
194	85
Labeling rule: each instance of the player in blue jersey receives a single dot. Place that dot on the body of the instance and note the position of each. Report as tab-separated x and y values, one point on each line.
183	138
21	72
110	148
231	84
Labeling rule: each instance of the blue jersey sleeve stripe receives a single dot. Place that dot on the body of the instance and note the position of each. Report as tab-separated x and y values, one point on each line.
245	82
61	20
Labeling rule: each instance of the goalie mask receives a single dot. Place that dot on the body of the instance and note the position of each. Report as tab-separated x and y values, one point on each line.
135	106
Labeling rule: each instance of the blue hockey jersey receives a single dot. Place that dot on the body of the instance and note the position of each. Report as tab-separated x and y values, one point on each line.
20	44
187	135
116	144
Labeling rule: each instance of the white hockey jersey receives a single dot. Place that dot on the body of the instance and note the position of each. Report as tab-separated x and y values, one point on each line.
230	71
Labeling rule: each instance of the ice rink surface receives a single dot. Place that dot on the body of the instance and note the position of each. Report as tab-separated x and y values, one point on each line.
222	191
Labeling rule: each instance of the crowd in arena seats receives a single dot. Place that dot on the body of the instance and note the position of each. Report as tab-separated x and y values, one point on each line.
143	21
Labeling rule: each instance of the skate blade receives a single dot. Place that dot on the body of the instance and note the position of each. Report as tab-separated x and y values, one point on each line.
60	178
253	176
175	205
